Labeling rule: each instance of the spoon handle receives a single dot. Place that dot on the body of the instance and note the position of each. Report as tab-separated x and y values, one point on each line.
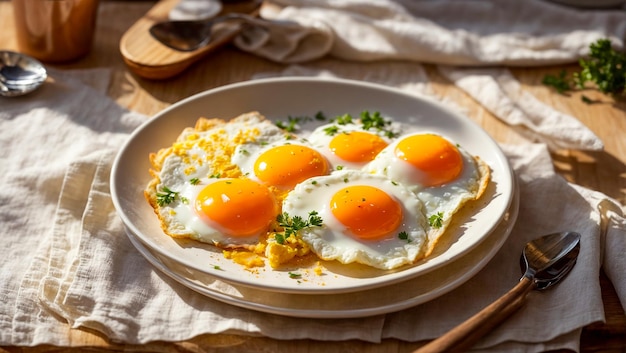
467	333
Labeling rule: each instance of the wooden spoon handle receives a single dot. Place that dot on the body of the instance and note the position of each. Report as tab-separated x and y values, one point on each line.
467	333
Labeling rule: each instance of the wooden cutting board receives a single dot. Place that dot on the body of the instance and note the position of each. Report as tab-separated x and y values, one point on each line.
148	58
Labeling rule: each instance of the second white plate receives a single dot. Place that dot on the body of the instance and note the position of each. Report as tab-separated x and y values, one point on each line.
369	302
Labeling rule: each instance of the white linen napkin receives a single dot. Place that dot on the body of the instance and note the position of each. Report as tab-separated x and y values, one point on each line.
70	260
68	119
448	32
452	34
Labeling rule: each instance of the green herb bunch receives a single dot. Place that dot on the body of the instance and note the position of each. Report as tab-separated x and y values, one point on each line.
605	67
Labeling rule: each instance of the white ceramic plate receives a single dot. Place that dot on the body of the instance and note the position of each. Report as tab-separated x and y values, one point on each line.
369	302
277	99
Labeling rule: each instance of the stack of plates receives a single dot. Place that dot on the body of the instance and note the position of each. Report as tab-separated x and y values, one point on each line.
474	237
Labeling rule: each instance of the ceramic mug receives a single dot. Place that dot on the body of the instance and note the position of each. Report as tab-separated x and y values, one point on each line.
55	30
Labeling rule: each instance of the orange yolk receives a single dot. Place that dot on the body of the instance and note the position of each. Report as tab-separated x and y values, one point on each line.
368	212
239	207
438	159
287	165
357	146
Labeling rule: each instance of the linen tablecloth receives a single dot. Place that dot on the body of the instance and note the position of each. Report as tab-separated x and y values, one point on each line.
69	259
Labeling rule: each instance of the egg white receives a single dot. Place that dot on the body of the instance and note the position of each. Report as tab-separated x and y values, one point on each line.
331	242
188	173
440	202
320	138
246	155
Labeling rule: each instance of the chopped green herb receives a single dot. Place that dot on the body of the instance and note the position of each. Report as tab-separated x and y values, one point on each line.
373	120
331	130
215	176
404	236
194	181
436	220
294	275
343	119
293	121
339	167
184	200
280	238
560	83
217	267
166	196
319	116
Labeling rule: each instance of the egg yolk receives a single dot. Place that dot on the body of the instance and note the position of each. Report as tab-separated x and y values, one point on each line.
368	212
287	165
436	158
237	207
356	146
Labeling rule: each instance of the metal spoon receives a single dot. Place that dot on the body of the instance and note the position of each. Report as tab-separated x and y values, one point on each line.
545	261
190	35
19	74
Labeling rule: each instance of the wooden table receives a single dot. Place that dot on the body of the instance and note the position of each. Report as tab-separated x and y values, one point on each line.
603	171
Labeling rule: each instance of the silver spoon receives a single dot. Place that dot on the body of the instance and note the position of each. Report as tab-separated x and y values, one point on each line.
19	74
545	261
190	35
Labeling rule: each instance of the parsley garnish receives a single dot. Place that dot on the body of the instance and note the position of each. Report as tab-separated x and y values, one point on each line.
605	67
373	120
294	275
560	83
292	121
343	119
320	116
436	220
376	121
404	236
166	196
292	225
331	130
194	181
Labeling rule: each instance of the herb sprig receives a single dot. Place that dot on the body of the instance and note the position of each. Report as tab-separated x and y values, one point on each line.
292	225
293	122
436	220
166	196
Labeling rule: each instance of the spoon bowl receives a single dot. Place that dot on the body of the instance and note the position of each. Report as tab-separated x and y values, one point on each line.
545	261
19	74
549	259
191	35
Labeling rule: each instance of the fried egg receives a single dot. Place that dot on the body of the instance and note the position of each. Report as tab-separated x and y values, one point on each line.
440	173
349	145
366	218
225	211
199	194
281	162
